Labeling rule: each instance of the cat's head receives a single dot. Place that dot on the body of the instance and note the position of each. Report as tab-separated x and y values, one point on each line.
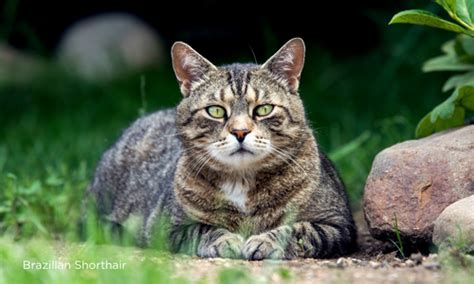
240	116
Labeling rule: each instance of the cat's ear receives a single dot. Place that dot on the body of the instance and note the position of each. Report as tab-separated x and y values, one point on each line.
287	63
189	66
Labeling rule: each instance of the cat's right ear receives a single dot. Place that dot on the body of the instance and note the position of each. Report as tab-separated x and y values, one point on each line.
189	66
288	63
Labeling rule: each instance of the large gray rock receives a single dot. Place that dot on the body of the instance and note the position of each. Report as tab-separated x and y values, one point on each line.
107	45
455	225
415	181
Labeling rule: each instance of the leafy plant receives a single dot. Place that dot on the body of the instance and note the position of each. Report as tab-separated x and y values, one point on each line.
458	56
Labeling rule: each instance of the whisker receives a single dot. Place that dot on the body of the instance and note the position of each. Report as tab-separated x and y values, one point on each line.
197	162
202	166
283	158
253	53
289	157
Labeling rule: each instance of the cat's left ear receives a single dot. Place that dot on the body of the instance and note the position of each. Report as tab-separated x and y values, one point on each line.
189	66
287	63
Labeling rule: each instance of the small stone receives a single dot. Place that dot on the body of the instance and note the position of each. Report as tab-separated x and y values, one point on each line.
356	261
417	258
398	260
342	262
397	264
374	264
410	263
455	225
432	265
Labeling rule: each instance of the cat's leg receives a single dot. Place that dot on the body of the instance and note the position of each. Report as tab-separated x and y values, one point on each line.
206	241
301	239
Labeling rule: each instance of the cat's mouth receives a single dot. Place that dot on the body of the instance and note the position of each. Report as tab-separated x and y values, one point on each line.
241	151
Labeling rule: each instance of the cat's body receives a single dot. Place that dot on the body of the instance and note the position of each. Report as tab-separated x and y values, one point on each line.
235	166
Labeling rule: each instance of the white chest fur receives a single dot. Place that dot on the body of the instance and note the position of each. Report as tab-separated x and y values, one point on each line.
236	192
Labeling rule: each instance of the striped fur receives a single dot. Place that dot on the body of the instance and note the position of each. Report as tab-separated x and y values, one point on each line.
272	195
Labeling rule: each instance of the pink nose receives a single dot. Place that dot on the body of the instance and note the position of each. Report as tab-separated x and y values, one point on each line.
240	134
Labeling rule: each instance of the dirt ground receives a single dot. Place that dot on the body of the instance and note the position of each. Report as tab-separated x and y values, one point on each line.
371	264
343	270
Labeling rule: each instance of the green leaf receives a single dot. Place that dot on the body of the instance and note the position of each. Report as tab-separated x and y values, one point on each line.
449	47
450	113
443	111
458	81
460	10
464	45
464	11
424	127
446	109
427	127
455	119
446	63
448	5
468	101
459	56
425	18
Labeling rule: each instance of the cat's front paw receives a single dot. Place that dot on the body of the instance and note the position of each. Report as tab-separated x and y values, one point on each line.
228	245
262	247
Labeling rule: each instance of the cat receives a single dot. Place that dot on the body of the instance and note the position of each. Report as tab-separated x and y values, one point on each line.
235	166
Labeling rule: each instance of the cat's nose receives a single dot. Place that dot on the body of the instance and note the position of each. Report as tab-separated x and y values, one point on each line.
240	134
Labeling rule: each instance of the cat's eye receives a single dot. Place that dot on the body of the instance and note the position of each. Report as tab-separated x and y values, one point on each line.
216	111
263	110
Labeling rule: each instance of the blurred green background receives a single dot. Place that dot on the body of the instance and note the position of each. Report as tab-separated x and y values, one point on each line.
363	90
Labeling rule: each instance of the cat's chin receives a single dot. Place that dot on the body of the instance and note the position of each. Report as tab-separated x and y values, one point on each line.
241	160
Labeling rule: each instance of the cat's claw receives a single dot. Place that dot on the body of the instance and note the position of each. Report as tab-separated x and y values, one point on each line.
262	247
227	246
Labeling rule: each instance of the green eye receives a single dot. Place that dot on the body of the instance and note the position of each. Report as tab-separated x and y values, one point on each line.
264	110
216	111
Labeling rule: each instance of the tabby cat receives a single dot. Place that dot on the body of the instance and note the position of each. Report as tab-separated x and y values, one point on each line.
234	166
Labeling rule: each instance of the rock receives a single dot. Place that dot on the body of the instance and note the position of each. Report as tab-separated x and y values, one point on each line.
374	264
109	45
455	225
432	265
417	258
415	181
343	262
17	66
410	263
